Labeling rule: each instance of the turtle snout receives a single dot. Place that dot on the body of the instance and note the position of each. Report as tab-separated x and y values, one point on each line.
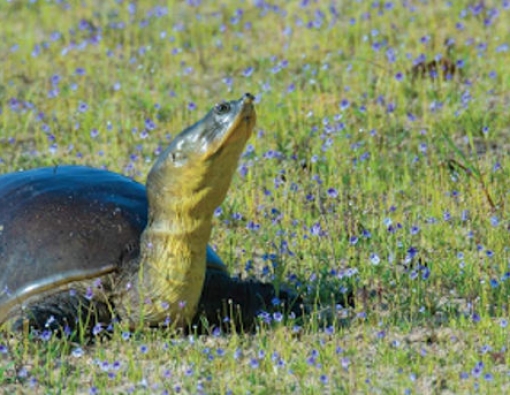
248	110
248	97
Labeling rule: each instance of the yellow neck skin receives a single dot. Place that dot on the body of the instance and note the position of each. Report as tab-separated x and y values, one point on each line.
173	261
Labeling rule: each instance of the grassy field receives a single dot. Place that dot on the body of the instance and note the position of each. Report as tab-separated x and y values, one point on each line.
379	167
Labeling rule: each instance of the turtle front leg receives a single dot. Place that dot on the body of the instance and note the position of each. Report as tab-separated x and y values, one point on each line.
227	302
66	313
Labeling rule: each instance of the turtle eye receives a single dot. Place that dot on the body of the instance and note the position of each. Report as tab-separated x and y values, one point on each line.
222	108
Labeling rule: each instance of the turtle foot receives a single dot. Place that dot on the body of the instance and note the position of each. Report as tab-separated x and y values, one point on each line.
233	304
64	315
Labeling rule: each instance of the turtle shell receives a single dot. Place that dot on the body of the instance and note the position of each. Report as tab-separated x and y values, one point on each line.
65	224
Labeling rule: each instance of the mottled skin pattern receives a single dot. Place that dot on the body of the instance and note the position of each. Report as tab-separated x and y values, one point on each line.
78	243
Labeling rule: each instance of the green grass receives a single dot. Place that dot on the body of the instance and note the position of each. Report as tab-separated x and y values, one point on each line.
419	165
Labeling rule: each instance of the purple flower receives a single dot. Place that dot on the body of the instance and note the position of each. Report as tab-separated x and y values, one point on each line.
49	321
346	362
248	71
45	335
77	352
52	93
477	370
502	48
243	170
485	349
391	55
98	328
366	234
374	259
447	216
89	293
149	124
425	273
315	230
83	107
55	79
265	317
464	215
412	252
344	104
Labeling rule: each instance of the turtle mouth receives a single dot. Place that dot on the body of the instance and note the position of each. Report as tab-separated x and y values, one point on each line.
248	111
242	127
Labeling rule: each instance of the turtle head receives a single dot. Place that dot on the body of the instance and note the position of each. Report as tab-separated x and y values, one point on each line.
196	169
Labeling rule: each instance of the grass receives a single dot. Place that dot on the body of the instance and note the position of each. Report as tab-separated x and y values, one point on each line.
363	174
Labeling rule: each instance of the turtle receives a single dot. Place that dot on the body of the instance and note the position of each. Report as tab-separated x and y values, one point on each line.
90	246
